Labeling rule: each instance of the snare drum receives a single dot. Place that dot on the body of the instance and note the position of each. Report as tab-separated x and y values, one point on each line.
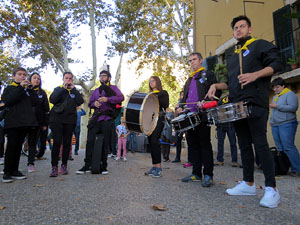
228	113
186	121
141	112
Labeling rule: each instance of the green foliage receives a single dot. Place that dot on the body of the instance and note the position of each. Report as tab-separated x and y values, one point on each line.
7	63
292	61
221	72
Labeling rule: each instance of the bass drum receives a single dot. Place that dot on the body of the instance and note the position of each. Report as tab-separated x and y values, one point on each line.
141	112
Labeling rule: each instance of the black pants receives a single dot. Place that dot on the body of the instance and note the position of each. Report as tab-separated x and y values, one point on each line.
62	133
15	139
254	131
165	148
200	145
154	141
179	136
42	142
2	141
114	140
32	141
102	127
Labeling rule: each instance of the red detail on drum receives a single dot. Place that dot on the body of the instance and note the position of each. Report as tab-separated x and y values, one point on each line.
209	105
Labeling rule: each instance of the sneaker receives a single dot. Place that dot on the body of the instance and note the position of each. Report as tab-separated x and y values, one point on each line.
234	164
150	172
242	188
1	161
176	161
31	168
295	174
54	171
2	172
125	159
114	156
83	170
207	181
63	170
271	198
104	172
191	177
76	152
187	165
7	178
219	163
18	175
157	172
110	155
117	158
71	158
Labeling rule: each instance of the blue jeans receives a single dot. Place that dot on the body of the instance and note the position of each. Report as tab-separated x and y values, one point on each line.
221	134
284	138
77	136
131	141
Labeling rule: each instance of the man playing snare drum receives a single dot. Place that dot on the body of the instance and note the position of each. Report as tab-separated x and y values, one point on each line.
251	83
198	138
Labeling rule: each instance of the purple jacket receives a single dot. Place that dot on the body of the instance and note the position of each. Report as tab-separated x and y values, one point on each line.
117	99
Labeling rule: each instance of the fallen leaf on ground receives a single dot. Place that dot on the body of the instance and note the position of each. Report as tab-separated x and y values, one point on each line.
100	178
159	207
38	185
61	179
259	187
129	169
2	207
278	178
223	183
109	218
142	168
299	187
166	168
241	206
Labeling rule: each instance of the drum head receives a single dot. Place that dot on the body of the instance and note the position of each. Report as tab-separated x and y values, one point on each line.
149	114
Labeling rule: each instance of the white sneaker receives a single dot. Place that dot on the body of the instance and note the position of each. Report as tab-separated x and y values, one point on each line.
271	198
125	159
1	161
117	158
31	169
2	172
110	155
242	188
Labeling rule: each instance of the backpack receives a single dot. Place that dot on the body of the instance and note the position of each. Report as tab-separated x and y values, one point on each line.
281	161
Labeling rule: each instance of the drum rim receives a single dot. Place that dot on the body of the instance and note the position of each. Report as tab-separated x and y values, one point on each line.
141	113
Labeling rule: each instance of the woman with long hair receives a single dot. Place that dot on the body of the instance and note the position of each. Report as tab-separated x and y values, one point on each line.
163	97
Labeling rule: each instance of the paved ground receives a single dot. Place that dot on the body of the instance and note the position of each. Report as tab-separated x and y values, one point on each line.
126	196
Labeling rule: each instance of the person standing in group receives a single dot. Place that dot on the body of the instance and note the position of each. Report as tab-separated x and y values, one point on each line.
103	101
122	137
42	115
2	135
19	118
284	122
166	135
80	112
198	139
178	135
260	59
62	121
163	98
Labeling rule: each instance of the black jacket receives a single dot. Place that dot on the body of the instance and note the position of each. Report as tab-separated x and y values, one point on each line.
20	104
69	114
42	109
260	54
163	98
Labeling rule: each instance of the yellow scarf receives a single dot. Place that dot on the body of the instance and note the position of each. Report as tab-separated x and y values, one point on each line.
36	89
238	50
284	91
14	84
155	91
193	73
69	90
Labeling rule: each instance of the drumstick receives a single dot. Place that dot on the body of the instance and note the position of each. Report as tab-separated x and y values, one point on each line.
241	62
215	97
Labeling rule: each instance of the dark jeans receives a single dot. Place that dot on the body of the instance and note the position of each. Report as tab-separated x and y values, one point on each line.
102	127
77	137
2	141
165	148
32	141
15	139
114	140
154	142
254	131
62	133
222	130
200	144
179	137
42	142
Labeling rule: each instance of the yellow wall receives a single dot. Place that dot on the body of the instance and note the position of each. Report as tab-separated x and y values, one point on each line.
212	21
